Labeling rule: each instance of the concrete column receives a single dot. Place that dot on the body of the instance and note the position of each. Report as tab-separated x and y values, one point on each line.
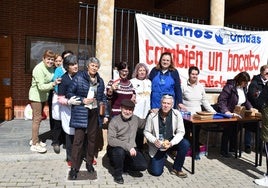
104	37
217	8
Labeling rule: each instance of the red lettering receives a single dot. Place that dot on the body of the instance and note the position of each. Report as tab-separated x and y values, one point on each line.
212	82
243	62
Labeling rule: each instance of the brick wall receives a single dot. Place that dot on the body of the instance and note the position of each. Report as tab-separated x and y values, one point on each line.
55	19
59	19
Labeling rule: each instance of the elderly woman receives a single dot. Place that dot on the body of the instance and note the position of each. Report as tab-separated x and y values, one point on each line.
142	87
71	66
87	87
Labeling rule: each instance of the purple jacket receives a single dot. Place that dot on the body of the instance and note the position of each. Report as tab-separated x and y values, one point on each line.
228	98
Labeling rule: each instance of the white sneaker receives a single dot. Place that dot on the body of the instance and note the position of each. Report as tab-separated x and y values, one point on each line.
38	148
263	181
41	143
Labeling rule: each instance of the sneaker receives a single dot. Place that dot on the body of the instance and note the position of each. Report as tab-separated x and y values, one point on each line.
263	181
38	148
41	143
56	148
180	174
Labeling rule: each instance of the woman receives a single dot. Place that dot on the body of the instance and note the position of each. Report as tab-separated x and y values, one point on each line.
88	87
232	94
193	96
58	136
71	66
120	89
38	94
165	80
142	87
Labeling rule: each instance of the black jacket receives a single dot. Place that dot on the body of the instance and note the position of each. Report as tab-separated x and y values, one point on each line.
258	93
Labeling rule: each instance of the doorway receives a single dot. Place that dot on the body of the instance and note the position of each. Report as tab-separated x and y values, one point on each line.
6	107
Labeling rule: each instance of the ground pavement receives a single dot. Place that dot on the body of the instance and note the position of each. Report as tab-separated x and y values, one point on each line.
19	167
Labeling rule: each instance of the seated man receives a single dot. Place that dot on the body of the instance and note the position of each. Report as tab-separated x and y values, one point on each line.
121	149
166	123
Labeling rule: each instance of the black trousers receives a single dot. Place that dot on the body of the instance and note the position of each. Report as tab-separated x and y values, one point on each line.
69	145
228	139
58	134
122	161
90	133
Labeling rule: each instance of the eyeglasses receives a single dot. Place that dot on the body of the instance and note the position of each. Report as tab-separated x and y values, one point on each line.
124	71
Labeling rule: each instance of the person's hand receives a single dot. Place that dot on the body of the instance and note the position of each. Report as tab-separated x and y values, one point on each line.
133	98
62	100
154	110
105	120
158	143
133	152
57	81
89	100
166	144
115	84
181	107
74	101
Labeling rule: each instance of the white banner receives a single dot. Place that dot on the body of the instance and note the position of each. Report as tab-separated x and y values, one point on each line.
219	52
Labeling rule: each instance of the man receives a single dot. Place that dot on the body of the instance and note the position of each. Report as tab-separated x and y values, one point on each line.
256	86
166	123
121	149
258	96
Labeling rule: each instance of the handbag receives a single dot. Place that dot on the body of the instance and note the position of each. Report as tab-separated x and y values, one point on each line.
55	107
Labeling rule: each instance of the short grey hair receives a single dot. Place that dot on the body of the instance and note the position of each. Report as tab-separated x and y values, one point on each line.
167	96
93	60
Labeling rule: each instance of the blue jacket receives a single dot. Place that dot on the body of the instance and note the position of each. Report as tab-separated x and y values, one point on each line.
168	83
79	88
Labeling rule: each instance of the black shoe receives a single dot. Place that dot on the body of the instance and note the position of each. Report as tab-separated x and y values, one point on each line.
232	150
90	168
56	148
73	174
248	149
119	180
226	154
136	174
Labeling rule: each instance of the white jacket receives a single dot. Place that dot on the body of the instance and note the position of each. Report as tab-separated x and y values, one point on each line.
151	130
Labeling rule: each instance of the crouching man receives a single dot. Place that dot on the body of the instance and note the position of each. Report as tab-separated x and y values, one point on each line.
164	131
121	149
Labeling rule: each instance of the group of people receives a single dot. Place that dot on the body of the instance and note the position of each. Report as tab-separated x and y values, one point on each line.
147	106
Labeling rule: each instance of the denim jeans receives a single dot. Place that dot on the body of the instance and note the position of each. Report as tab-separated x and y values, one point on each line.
157	162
